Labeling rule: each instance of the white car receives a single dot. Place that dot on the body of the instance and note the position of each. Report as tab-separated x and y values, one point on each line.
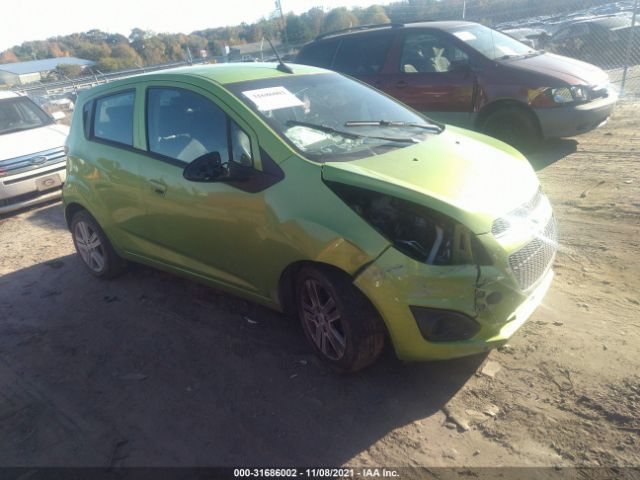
32	157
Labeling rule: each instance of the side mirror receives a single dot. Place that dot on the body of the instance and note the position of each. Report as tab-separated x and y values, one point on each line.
58	115
238	172
206	168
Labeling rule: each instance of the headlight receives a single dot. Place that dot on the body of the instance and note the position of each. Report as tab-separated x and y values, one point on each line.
569	94
417	231
527	219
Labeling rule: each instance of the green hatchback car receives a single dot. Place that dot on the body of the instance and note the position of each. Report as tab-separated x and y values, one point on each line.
318	196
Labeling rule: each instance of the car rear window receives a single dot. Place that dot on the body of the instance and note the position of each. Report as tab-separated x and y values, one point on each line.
113	119
318	54
362	54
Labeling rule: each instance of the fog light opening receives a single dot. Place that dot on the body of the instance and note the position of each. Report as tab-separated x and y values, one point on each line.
437	325
493	298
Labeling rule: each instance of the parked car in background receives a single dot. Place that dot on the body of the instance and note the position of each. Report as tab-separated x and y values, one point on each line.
535	38
313	194
600	40
469	75
32	158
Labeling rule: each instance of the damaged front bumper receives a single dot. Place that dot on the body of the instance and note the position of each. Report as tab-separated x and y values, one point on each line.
399	286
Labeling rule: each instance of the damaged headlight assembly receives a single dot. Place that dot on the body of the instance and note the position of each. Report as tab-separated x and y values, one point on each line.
420	233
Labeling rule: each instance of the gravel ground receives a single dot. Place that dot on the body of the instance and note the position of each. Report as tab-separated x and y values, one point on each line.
153	370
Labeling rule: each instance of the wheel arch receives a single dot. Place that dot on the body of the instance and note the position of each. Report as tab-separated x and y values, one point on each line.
505	103
71	209
287	283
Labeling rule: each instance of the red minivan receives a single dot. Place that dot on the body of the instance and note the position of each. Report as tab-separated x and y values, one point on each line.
469	75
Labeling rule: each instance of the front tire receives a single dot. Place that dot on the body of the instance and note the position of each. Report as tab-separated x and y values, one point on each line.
343	328
514	126
94	247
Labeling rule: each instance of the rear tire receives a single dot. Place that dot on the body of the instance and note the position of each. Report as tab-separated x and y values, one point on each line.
94	247
514	126
343	328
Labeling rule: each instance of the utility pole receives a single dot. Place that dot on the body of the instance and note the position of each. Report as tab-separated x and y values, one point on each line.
284	23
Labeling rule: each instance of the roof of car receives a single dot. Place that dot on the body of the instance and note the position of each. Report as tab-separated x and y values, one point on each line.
611	22
361	29
239	72
223	74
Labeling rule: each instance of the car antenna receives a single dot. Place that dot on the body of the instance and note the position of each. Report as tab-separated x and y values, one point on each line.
281	65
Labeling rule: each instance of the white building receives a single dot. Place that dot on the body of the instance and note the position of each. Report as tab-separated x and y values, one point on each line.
20	73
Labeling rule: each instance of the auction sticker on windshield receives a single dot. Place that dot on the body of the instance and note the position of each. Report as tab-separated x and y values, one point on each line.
273	98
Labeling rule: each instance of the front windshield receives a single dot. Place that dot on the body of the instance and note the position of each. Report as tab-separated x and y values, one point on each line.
21	114
490	43
330	117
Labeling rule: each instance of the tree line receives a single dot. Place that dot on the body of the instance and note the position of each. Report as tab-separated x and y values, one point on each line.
113	51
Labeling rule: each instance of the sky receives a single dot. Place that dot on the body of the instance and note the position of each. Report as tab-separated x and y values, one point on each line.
41	19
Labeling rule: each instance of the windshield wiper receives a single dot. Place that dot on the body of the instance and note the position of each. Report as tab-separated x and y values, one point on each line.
507	57
385	123
535	53
524	55
353	136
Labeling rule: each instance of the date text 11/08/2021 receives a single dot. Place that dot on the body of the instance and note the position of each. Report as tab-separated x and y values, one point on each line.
315	472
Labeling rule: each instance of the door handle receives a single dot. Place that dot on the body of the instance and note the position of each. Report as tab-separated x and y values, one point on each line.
402	84
158	186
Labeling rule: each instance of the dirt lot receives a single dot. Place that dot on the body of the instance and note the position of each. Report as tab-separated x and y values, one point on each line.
150	369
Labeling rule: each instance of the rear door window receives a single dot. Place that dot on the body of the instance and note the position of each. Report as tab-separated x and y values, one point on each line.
363	54
318	54
113	120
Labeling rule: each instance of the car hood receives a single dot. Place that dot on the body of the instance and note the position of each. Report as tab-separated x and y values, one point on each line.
465	175
569	70
30	141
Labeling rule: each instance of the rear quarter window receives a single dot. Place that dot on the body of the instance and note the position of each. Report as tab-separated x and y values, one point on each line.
318	54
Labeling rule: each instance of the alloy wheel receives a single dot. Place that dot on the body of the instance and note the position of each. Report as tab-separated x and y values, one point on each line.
323	319
89	246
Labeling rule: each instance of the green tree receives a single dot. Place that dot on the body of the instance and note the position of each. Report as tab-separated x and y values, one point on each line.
92	51
314	18
107	64
339	19
67	70
126	56
297	30
373	15
152	50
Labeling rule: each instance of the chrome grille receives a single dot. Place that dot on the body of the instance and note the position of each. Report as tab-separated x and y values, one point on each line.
33	161
501	225
531	262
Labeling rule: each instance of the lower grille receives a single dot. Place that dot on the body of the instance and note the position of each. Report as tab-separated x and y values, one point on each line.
532	261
